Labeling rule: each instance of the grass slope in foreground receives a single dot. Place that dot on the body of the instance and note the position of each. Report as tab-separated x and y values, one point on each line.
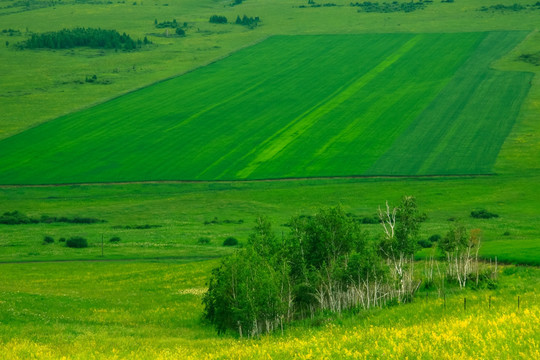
153	311
293	106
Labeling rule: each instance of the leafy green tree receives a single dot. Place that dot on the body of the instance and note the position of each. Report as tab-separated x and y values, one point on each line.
263	240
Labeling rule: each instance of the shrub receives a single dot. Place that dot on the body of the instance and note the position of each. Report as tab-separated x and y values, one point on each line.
483	214
203	240
77	242
114	239
425	243
434	238
62	239
506	233
48	239
230	241
180	32
374	219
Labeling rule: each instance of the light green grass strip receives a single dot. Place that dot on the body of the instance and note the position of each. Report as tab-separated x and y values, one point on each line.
300	124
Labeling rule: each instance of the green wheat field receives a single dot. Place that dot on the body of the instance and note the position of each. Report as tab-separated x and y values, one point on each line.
385	104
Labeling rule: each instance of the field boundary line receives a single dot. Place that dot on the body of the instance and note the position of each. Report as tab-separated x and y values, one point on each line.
285	179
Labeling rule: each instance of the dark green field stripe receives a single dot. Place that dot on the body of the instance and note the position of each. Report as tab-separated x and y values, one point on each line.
425	147
476	136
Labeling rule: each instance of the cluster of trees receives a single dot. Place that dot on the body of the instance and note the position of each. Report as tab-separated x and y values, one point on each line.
179	29
247	21
167	24
218	19
531	58
72	242
79	37
18	218
326	263
386	7
11	32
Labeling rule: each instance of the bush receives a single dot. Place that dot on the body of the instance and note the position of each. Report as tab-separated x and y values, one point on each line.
434	238
230	241
371	220
506	233
48	240
114	239
77	242
483	214
62	239
425	243
203	240
180	32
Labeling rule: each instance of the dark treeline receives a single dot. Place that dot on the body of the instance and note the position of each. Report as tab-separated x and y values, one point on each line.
387	7
18	218
79	37
328	264
513	7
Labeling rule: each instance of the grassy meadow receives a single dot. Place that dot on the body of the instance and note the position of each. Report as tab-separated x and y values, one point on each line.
323	82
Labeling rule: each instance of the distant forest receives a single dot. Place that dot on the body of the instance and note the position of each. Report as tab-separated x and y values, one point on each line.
79	37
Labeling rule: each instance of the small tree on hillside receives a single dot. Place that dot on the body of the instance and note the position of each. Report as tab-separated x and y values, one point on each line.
461	250
401	226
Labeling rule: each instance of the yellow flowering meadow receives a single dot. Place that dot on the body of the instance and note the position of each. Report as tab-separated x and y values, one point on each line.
482	334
